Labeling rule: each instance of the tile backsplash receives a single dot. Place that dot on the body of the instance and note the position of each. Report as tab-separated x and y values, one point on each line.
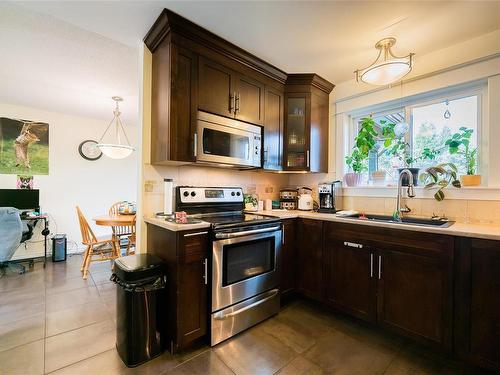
268	185
460	210
265	185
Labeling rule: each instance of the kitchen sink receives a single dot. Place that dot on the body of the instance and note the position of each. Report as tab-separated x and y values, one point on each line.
438	222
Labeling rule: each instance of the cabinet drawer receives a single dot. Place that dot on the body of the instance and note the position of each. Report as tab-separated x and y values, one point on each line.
193	243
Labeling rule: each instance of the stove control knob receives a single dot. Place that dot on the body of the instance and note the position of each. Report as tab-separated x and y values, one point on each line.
238	193
185	193
193	193
232	193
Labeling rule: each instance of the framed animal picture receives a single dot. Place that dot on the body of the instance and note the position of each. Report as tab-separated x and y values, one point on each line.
24	147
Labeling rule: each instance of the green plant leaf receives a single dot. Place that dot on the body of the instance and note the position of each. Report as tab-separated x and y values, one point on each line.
439	195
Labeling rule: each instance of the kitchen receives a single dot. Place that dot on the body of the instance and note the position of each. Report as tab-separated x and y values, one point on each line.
409	274
317	192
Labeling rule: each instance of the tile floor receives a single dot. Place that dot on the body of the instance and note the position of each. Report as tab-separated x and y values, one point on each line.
52	321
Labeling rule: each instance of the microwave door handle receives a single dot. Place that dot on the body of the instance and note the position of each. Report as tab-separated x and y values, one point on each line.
246	232
221	316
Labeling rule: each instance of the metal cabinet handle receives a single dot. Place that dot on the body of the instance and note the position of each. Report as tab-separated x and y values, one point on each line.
371	265
221	316
246	233
380	267
237	103
283	234
353	244
232	99
308	158
195	234
195	146
205	275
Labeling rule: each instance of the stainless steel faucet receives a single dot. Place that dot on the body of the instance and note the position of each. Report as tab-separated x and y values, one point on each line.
411	193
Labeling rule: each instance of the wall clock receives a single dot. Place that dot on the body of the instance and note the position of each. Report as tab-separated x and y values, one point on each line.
88	150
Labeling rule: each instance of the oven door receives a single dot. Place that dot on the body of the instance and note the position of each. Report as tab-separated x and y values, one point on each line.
227	141
245	265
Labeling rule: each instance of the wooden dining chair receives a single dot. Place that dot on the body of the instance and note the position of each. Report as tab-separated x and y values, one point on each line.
131	240
106	249
127	231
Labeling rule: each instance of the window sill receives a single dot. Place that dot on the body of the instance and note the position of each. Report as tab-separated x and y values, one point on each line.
467	192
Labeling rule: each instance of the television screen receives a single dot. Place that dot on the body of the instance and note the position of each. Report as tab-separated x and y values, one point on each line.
22	199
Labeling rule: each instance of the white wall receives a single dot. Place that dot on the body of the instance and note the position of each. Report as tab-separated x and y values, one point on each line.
469	61
72	180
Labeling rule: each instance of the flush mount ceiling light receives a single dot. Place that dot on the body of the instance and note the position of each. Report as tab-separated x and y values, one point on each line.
116	150
387	68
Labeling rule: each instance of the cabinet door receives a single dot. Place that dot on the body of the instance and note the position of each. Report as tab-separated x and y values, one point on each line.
288	258
415	294
273	129
183	104
249	101
296	139
216	88
350	276
192	309
477	302
310	258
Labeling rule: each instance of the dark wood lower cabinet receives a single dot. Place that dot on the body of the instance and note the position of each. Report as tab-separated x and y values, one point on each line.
185	254
402	280
310	258
349	277
288	259
415	293
477	302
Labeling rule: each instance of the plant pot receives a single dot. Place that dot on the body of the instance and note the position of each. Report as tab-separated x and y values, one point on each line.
378	178
414	172
352	179
470	180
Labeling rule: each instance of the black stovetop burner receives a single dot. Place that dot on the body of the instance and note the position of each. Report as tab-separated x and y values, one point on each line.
220	221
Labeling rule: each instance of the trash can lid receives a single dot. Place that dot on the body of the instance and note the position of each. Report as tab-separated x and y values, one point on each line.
139	266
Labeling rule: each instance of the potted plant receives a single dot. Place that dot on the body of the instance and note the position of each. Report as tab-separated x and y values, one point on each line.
459	143
400	148
365	141
439	177
355	161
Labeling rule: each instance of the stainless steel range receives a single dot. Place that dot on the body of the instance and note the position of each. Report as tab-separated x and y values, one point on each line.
245	259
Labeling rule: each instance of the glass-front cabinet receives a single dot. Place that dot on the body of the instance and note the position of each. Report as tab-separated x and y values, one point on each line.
296	154
305	138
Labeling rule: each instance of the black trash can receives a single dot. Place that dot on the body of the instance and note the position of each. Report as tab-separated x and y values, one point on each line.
140	307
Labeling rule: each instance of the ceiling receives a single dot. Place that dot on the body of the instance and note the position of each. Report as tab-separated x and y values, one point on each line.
331	38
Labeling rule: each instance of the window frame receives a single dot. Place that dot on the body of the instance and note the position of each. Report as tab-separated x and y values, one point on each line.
408	103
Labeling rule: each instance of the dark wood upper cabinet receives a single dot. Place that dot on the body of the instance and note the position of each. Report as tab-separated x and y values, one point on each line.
477	302
310	258
174	103
249	100
273	129
350	278
306	123
216	88
196	69
229	93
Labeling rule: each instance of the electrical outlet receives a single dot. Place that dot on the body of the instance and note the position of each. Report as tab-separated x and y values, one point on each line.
269	189
149	186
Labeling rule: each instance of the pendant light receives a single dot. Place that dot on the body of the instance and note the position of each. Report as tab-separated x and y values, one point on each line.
387	68
116	150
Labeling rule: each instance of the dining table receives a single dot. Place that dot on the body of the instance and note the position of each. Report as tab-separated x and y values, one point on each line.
114	220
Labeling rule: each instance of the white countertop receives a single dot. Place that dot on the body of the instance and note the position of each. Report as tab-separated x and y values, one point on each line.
485	231
174	226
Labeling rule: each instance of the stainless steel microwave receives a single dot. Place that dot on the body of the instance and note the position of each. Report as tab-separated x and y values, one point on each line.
225	141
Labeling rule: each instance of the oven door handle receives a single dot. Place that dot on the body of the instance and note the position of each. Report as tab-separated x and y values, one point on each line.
246	232
220	316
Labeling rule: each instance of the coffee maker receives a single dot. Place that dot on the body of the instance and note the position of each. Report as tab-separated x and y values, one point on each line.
330	197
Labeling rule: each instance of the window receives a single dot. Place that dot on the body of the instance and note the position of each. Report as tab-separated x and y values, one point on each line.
424	125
